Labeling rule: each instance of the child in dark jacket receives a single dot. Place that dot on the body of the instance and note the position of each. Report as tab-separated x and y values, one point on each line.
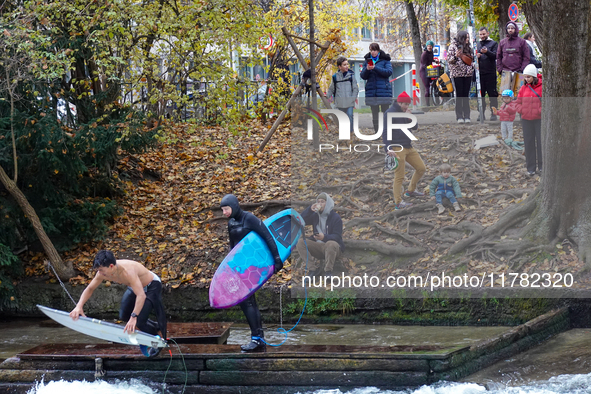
507	115
445	185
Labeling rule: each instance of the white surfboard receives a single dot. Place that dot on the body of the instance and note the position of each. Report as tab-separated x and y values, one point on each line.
102	329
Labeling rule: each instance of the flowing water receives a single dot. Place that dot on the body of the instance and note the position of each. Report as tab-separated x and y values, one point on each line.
558	366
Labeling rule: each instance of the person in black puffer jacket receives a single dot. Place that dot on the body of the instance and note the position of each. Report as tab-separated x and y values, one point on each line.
240	224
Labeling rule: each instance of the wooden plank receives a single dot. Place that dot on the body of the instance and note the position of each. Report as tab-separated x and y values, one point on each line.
204	333
122	352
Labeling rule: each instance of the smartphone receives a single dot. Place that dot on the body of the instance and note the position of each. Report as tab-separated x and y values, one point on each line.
370	62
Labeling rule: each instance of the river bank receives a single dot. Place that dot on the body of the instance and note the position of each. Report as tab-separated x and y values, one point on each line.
277	304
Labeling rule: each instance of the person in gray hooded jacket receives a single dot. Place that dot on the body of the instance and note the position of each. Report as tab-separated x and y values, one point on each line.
327	242
344	89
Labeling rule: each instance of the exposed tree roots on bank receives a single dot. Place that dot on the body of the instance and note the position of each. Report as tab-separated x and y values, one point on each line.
491	231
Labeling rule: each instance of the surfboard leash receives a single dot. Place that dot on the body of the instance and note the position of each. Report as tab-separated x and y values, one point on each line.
281	329
170	364
61	283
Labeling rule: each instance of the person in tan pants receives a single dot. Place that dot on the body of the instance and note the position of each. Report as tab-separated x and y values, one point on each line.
400	147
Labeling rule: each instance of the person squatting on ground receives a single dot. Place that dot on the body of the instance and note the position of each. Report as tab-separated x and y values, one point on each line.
459	58
507	115
344	89
404	155
327	240
427	59
513	52
487	58
143	295
377	70
445	185
240	224
529	105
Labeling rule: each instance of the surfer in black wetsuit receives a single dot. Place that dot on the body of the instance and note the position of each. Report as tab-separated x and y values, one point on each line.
240	224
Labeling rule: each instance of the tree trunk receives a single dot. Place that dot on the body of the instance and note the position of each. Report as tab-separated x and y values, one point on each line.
415	32
10	89
65	271
534	14
503	8
564	205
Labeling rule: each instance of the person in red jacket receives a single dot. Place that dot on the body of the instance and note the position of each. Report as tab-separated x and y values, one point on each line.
507	114
529	105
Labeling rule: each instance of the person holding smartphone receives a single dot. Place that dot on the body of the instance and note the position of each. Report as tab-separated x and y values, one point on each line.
376	71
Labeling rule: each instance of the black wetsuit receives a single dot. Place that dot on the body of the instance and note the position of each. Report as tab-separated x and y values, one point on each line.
153	302
240	224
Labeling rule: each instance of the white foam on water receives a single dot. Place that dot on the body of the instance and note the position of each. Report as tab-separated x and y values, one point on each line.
451	388
562	384
98	387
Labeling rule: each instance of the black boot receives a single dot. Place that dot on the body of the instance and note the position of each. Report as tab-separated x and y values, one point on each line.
255	345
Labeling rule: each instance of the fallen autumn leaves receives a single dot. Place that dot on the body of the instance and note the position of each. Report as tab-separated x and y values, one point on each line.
171	219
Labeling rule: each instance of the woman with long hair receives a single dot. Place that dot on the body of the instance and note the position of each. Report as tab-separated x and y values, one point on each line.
460	58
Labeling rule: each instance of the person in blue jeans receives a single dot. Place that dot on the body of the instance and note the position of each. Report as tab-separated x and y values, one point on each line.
376	71
344	89
447	186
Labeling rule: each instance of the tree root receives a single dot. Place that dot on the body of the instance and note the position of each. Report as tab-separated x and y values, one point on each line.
538	249
419	223
350	201
383	248
515	193
512	217
477	166
511	151
407	238
470	201
363	221
389	216
476	230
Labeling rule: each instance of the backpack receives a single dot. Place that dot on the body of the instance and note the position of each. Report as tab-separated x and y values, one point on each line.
334	81
444	84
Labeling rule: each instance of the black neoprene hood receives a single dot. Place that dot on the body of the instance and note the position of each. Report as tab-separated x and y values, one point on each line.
230	200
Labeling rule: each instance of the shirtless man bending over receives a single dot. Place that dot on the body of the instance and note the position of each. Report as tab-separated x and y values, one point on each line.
144	294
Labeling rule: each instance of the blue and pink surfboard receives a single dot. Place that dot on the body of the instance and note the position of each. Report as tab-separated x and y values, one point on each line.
250	264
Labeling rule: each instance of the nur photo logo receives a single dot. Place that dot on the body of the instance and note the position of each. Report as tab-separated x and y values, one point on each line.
345	130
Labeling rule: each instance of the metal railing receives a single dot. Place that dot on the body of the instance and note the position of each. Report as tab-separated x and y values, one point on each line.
200	103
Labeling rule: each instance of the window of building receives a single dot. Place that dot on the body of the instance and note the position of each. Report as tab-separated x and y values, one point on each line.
365	33
391	29
378	30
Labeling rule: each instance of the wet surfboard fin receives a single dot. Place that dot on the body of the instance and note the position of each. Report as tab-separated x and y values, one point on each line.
145	350
150	351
